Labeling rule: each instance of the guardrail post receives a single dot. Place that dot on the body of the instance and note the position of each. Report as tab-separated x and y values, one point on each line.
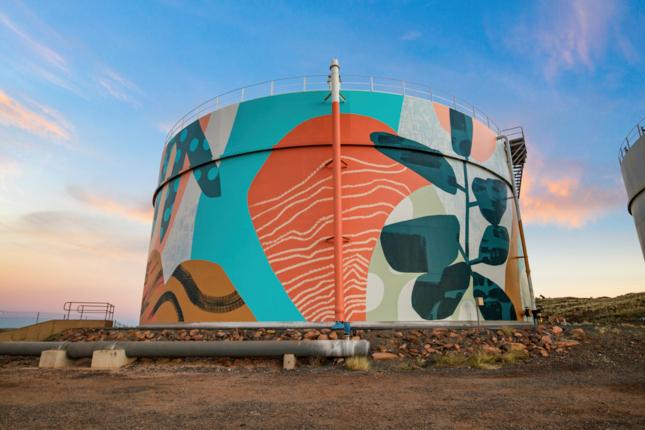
372	83
271	88
304	83
242	94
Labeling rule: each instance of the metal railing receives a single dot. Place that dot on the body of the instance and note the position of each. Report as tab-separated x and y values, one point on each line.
634	134
319	83
89	310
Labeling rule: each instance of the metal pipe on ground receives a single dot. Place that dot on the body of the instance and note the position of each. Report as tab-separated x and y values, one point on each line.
251	348
362	325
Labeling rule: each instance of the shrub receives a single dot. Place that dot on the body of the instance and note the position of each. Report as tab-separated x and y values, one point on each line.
357	364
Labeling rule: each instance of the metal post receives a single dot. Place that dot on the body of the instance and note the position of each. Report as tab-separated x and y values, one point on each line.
304	83
334	83
242	95
37	317
271	90
372	83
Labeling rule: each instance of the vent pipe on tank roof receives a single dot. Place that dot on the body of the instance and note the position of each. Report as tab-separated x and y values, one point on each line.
334	87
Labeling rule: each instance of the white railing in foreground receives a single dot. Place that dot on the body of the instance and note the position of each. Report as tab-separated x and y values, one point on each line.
319	83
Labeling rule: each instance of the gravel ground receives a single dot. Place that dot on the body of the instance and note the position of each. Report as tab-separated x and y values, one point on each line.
599	384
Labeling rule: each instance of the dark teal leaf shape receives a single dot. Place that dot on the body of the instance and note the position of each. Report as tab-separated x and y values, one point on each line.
437	300
461	133
497	305
491	198
493	248
425	161
427	244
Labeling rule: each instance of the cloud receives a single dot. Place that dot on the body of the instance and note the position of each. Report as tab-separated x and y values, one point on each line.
560	193
8	168
411	35
117	86
141	213
51	66
570	35
72	234
41	50
40	119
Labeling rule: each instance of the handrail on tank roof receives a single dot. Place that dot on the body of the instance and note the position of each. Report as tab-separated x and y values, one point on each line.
319	83
634	134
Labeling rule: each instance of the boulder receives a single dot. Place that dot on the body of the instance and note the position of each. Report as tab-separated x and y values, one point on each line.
566	343
380	356
578	334
513	346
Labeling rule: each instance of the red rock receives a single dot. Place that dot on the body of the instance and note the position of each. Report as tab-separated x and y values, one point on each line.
313	334
543	352
490	349
379	356
429	349
578	334
556	330
323	337
513	346
566	343
333	335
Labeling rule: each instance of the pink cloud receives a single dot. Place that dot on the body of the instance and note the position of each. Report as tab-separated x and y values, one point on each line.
40	119
567	35
140	213
560	193
43	51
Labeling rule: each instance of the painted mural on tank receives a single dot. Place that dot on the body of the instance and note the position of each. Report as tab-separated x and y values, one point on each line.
243	224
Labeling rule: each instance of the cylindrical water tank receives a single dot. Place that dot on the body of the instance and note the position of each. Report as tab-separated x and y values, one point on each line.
243	215
632	165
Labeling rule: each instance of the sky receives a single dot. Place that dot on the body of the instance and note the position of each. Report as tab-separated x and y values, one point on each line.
88	91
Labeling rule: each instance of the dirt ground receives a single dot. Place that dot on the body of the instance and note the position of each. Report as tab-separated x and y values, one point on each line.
599	384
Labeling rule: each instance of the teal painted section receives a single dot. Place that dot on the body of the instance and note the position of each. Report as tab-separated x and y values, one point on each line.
383	107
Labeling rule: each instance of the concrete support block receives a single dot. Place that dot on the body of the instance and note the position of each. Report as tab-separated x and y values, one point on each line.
53	359
289	362
110	359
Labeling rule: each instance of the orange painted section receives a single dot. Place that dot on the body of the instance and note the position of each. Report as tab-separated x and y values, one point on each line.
291	205
484	142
